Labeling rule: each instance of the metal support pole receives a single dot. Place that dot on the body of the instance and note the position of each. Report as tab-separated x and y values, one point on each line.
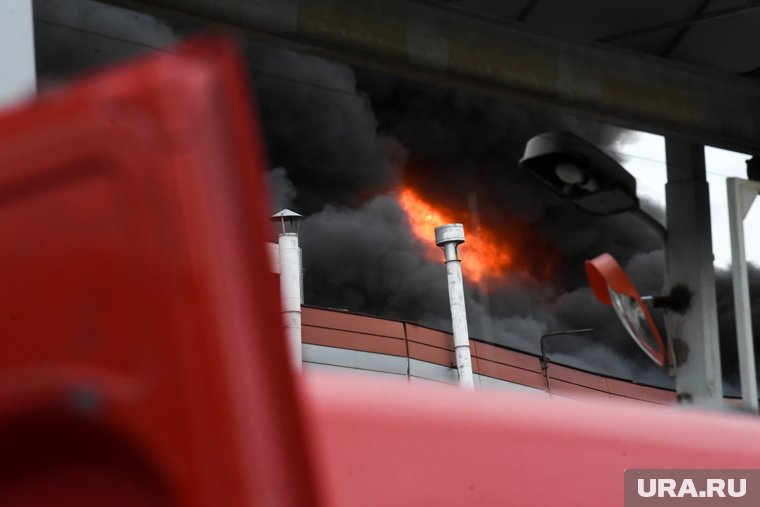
693	334
18	77
290	291
741	195
448	237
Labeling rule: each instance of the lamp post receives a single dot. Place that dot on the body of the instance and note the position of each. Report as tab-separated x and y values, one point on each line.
543	359
597	184
290	280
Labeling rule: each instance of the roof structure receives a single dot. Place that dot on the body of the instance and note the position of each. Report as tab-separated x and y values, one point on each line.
718	35
668	68
349	343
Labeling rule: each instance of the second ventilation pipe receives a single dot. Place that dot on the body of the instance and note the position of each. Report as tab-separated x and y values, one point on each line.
449	237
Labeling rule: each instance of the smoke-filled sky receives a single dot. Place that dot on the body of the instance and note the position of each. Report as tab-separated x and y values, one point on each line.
342	142
360	136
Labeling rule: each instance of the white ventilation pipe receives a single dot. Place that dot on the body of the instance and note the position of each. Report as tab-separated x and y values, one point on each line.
449	237
290	281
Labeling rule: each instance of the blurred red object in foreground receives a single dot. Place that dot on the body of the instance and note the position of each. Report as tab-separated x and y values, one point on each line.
141	357
386	443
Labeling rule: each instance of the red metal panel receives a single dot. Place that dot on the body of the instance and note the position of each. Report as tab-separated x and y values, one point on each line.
474	358
511	374
577	377
353	341
432	354
429	336
574	391
505	356
631	400
437	355
351	322
645	393
384	443
141	360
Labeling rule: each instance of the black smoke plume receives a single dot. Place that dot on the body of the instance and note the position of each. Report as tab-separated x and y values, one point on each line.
341	142
347	141
369	133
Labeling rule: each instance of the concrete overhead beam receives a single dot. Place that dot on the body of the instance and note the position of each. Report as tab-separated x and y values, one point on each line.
446	46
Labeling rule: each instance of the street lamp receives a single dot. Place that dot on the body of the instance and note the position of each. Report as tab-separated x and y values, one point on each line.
597	184
543	359
581	173
586	176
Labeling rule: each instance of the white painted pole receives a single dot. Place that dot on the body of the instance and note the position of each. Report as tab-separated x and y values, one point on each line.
290	291
448	237
741	195
18	79
289	257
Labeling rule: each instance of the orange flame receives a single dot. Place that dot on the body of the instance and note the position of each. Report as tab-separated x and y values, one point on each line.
483	255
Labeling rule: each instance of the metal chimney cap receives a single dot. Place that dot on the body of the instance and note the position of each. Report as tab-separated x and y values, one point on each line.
449	233
287	214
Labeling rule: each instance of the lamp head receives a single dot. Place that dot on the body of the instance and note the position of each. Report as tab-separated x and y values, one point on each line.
582	173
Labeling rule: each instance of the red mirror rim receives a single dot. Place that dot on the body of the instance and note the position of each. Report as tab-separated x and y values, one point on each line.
603	272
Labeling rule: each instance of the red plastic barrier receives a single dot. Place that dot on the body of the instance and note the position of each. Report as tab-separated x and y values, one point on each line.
391	444
141	356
